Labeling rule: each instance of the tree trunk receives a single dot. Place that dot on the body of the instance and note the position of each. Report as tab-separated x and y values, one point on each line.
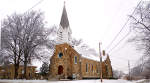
16	67
25	64
25	68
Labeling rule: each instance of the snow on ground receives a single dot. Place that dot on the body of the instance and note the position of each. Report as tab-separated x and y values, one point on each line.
73	81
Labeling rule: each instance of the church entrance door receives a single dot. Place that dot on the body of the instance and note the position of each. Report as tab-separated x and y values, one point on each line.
60	70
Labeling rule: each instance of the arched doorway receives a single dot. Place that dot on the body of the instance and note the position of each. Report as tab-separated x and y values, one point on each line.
60	69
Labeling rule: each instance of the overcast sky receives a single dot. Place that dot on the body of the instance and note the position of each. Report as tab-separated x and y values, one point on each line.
93	21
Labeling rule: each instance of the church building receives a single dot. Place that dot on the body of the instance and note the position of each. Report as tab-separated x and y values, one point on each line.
68	62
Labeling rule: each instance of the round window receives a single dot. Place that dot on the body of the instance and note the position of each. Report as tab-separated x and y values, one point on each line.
60	55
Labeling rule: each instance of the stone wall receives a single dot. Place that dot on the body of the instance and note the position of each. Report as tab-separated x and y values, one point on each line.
93	70
7	72
66	61
76	70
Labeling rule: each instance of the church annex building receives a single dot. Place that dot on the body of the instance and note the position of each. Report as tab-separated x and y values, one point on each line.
67	62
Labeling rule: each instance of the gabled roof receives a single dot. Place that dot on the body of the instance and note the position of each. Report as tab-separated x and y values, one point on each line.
64	18
89	54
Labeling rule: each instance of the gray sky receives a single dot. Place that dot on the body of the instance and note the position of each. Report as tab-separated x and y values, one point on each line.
90	20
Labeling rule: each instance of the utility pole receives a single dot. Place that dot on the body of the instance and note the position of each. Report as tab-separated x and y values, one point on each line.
129	70
101	76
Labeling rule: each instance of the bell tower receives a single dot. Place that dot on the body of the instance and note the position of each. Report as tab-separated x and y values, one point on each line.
64	32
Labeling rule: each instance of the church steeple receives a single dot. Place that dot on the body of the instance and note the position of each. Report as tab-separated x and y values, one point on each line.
64	18
64	32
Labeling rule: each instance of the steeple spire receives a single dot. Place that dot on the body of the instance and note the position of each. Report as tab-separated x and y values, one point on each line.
64	19
64	32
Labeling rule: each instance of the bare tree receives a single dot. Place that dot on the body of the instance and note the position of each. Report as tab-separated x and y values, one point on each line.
117	74
76	42
11	40
33	37
141	25
146	72
22	36
44	70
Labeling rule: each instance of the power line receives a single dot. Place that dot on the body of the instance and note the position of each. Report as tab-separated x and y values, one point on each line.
119	59
123	27
119	41
120	48
35	5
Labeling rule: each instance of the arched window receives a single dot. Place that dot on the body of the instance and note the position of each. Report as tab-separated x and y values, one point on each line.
92	68
86	67
75	59
60	55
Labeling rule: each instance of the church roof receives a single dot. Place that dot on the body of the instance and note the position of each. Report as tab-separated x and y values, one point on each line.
89	54
64	19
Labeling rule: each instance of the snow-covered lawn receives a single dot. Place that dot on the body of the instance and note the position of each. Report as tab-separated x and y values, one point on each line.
73	81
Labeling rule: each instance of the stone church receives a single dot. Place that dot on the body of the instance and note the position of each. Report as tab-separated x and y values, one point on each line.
68	63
